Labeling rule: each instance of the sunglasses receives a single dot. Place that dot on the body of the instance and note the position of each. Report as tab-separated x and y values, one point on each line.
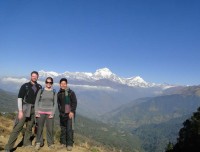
48	82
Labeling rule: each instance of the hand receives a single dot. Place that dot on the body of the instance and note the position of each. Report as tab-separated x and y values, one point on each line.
20	115
37	115
71	115
50	116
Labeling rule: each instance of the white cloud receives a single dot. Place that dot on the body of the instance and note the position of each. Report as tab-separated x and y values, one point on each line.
93	87
15	80
88	87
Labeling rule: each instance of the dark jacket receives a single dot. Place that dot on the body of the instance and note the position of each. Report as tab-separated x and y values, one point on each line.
61	101
27	93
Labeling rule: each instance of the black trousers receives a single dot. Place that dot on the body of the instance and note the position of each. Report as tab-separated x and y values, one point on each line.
67	132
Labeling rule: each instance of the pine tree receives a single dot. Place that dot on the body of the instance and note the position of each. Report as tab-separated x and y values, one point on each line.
189	135
169	147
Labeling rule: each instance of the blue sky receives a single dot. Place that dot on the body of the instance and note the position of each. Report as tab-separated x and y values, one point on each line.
158	40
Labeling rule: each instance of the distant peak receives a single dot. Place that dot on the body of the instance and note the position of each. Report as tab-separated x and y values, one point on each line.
138	78
41	71
103	72
104	69
48	73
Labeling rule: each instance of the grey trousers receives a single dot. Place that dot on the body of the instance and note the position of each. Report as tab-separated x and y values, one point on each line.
18	126
49	129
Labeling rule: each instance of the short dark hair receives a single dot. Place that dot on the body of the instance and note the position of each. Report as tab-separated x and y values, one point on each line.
50	79
63	79
34	72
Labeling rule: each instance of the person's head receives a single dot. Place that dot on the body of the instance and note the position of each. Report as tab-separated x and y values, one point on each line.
63	83
49	82
34	76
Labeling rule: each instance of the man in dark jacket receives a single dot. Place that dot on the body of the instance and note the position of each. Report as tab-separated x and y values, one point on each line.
26	112
67	104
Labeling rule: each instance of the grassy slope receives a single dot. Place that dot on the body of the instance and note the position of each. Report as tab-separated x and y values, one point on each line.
6	127
88	132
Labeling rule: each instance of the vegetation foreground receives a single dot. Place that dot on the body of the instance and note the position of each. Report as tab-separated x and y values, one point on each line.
100	139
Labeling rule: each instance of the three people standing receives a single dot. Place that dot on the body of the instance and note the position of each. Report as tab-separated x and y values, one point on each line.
40	103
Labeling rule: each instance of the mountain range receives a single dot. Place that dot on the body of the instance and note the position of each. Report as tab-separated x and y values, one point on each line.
137	109
98	92
153	110
103	74
95	78
156	120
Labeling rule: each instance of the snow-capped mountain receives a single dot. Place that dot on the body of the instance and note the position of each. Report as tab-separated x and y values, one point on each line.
102	74
48	74
100	79
98	92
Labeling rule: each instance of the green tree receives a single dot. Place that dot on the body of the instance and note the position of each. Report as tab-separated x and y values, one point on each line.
189	135
169	147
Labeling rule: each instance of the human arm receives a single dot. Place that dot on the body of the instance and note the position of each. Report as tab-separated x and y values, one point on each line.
20	112
54	106
73	105
37	102
21	96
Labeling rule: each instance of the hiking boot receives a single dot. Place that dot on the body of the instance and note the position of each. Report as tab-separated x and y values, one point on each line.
37	146
52	146
61	146
28	146
41	145
69	148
